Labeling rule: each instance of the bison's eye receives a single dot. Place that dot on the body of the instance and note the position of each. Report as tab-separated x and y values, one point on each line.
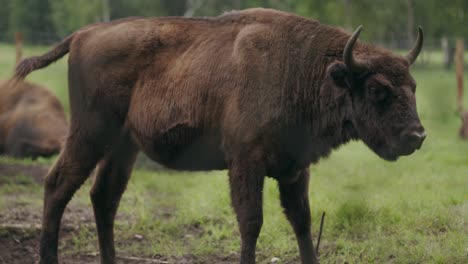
377	93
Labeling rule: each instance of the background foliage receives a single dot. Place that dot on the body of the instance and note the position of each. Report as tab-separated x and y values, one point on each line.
390	22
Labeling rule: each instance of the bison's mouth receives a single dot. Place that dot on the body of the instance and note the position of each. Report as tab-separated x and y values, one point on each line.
405	151
392	154
388	156
390	147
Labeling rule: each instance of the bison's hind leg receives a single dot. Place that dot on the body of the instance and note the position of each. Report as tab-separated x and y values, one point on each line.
88	141
111	179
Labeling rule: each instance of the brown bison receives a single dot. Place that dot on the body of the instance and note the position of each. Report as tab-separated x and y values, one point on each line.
258	92
32	121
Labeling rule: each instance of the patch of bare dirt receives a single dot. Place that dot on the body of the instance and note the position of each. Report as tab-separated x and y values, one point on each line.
22	214
19	245
20	223
24	208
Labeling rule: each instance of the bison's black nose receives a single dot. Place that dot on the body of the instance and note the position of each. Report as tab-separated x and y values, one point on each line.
414	138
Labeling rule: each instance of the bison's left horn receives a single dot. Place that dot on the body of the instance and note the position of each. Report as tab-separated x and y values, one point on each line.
352	63
413	54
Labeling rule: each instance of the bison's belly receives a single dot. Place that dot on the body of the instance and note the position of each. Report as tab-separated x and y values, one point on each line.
185	148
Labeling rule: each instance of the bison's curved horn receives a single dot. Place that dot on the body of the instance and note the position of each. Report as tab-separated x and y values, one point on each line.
352	63
413	54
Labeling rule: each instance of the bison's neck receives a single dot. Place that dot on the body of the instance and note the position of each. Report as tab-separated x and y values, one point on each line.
327	109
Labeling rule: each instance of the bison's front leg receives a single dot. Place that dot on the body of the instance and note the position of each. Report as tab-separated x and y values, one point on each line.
246	182
295	201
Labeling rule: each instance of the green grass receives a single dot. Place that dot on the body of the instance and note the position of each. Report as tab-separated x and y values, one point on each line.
411	211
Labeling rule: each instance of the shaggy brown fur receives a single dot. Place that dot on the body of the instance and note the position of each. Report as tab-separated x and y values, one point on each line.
259	92
32	120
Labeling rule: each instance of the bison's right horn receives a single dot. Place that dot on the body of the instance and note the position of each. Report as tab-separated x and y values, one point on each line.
413	54
352	63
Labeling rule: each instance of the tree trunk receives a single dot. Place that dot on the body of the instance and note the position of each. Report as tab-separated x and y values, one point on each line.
237	4
105	10
447	51
410	25
192	6
459	69
19	46
348	14
459	72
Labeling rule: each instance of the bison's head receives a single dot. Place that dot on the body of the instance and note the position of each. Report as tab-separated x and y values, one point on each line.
383	98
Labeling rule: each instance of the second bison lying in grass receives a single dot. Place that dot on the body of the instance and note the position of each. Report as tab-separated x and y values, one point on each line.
32	120
259	92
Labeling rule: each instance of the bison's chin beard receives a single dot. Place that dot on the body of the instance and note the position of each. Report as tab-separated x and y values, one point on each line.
388	156
391	153
387	148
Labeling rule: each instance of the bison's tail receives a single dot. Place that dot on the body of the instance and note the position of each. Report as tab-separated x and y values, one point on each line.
26	66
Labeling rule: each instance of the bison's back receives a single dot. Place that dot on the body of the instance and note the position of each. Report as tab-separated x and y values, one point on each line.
184	85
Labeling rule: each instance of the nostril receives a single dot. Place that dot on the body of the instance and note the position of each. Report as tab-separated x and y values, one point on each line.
423	135
415	138
419	129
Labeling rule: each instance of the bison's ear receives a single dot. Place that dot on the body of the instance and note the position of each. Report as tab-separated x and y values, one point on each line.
338	73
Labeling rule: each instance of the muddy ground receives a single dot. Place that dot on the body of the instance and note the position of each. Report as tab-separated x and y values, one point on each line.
20	221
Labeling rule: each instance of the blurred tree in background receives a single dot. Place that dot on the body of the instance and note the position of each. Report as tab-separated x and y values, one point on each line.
28	17
68	15
392	23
